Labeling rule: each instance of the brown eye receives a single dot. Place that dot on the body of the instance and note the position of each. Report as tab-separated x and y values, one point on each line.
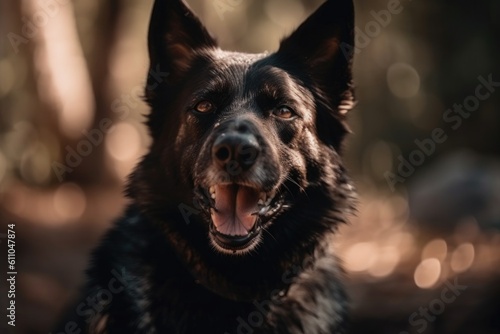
284	112
204	107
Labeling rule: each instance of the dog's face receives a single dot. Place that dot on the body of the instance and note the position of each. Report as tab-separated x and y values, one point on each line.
253	121
249	134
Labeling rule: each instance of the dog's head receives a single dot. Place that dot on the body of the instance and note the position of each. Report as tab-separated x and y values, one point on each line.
252	136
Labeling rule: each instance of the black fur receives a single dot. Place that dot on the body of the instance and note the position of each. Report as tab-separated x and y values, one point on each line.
159	269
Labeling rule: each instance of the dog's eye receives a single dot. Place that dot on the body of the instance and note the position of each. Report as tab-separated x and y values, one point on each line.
204	107
284	112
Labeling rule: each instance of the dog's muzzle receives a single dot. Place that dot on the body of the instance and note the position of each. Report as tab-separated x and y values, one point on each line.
235	150
234	195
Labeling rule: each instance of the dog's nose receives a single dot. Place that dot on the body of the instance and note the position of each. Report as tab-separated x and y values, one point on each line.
235	148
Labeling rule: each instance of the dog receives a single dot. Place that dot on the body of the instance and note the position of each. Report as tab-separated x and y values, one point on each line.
234	206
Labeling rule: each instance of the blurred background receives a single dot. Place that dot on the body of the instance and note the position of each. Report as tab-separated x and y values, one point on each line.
423	253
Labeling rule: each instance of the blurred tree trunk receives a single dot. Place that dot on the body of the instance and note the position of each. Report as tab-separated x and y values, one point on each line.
106	32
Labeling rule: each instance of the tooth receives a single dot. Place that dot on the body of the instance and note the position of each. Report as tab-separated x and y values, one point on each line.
212	190
213	196
263	211
260	202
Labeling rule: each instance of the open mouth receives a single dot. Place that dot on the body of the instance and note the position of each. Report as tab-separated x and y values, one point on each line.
238	213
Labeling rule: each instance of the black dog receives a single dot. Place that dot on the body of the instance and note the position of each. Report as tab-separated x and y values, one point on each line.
255	139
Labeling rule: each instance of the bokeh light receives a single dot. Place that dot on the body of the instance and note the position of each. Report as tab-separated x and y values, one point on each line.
462	257
403	80
123	142
123	145
361	256
436	248
69	201
427	273
35	164
386	262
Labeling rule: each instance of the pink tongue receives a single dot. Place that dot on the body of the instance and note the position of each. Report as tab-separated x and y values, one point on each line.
235	205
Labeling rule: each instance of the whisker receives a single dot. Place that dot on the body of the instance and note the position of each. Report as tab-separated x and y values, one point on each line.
302	189
272	236
295	182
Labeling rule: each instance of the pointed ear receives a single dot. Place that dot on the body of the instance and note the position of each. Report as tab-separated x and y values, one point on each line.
175	34
322	46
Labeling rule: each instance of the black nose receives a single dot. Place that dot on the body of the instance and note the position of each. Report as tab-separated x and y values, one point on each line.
235	149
